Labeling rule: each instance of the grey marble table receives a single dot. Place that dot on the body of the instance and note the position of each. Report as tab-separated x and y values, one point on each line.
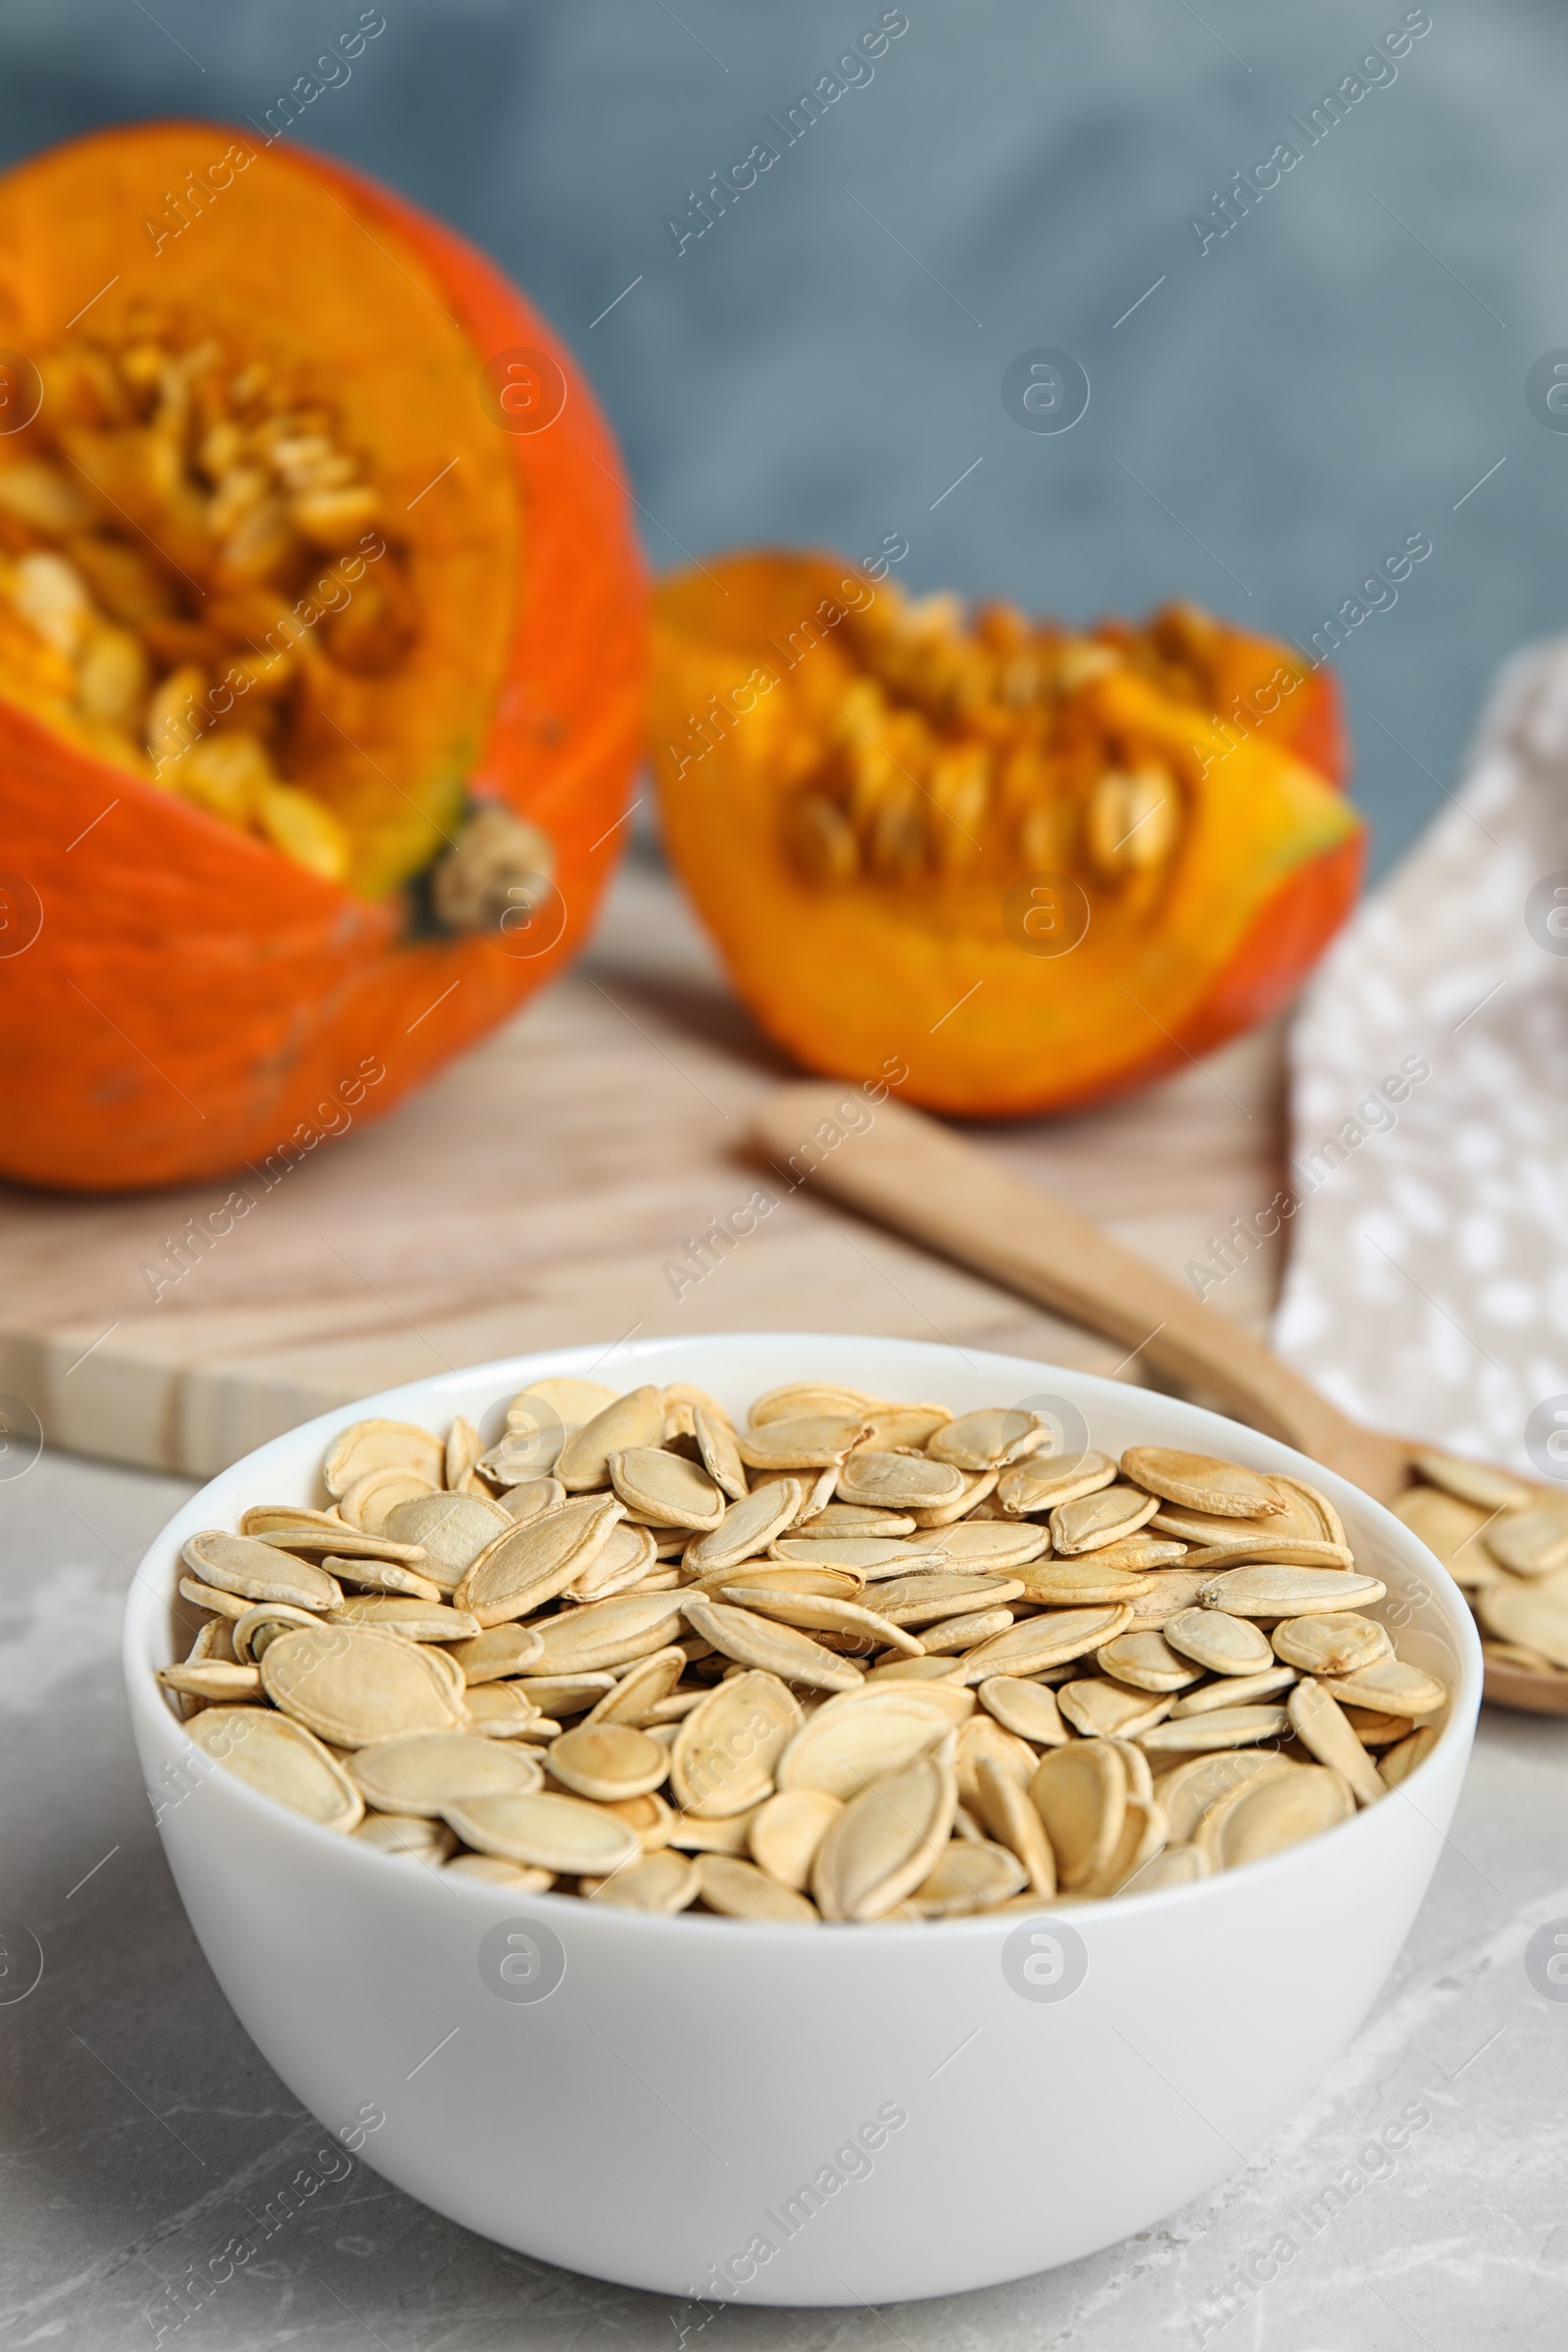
142	2131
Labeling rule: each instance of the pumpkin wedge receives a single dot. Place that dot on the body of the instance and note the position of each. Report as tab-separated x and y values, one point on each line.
1039	868
321	653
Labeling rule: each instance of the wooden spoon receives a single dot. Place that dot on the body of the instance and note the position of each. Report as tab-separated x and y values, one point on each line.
906	1171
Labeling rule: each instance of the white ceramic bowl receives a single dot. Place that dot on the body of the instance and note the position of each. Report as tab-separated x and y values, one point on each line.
824	2114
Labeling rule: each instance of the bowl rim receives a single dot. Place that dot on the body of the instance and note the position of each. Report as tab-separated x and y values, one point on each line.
154	1584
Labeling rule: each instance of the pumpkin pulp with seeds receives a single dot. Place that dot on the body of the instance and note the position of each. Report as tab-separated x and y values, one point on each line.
319	689
1041	865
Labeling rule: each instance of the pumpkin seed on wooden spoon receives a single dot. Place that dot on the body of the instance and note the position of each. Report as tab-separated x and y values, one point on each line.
1473	1482
281	1760
1531	1543
1530	1611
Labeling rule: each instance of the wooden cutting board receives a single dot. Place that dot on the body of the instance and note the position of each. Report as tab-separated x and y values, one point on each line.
544	1193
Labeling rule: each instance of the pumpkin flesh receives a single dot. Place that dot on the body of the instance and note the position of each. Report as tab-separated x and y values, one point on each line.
892	824
456	609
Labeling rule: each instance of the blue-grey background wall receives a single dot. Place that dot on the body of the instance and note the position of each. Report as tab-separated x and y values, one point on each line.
1280	413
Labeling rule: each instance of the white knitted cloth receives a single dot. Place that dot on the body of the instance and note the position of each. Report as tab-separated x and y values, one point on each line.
1428	1283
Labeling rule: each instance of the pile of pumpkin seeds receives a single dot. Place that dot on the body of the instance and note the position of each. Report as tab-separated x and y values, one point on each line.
854	1660
1505	1544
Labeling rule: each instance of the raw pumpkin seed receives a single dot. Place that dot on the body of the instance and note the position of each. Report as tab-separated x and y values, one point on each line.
779	1649
257	1571
727	1750
1080	1794
1341	1642
1289	1591
561	1834
1222	1644
518	1570
1041	1484
281	1759
1103	1517
1220	1727
786	1830
664	1881
1235	1690
1198	1483
607	1761
1026	1710
640	1671
353	1685
738	1889
746	1528
899	1481
1473	1482
1321	1727
886	1842
419	1772
366	1445
987	1440
1274	1812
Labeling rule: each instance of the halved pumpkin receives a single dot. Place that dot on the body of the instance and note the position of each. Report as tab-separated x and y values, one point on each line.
321	652
1039	868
